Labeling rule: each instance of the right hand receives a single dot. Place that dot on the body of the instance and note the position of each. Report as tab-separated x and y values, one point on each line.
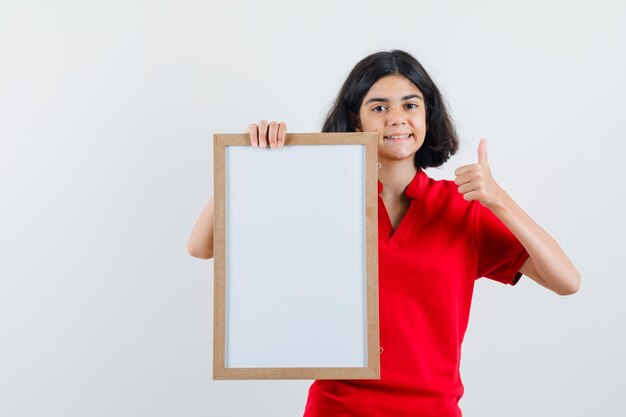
273	133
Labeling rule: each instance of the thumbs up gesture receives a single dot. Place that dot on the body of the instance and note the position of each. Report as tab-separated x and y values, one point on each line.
475	181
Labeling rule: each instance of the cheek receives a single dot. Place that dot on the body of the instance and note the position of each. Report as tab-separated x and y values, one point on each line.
368	125
421	127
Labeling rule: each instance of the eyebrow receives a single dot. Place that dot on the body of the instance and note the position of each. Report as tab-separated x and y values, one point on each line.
386	100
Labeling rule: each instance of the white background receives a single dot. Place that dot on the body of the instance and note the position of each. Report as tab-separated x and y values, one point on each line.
107	110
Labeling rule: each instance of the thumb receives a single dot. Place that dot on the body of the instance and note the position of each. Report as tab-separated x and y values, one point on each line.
482	152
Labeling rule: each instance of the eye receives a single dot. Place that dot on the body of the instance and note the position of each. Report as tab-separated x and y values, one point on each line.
376	109
412	105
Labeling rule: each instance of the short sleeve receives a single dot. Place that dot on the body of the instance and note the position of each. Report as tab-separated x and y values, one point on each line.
500	254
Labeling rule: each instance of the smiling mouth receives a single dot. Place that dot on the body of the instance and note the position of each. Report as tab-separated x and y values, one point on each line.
399	137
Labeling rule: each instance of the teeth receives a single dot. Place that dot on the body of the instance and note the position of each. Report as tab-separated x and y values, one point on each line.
398	137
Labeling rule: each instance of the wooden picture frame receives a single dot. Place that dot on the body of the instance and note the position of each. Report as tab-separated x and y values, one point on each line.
296	258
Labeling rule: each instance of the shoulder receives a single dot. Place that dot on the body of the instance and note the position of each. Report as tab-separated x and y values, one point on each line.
445	192
444	209
442	200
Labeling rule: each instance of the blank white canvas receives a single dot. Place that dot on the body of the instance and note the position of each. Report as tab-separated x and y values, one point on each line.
295	266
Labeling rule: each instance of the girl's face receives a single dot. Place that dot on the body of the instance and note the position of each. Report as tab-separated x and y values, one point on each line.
394	107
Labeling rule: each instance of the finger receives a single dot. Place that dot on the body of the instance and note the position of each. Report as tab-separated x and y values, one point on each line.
482	152
472	195
475	175
469	187
282	133
464	178
464	169
272	134
263	133
253	130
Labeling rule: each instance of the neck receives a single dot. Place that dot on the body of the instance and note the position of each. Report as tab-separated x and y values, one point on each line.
395	177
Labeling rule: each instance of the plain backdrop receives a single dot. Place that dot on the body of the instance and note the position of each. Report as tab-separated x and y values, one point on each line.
107	110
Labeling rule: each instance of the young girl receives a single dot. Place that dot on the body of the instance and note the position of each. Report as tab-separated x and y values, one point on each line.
435	239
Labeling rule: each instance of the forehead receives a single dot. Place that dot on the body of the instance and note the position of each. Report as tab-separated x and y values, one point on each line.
393	86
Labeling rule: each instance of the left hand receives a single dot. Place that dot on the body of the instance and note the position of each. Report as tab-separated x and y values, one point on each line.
475	181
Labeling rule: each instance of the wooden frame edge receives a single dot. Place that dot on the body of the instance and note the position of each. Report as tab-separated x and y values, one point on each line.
371	162
219	249
372	370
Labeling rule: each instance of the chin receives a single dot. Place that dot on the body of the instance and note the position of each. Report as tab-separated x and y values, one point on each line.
397	157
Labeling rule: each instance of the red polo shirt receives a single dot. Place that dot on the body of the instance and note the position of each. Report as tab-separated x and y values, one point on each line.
427	270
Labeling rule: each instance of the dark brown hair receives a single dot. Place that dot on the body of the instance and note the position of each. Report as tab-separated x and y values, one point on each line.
441	139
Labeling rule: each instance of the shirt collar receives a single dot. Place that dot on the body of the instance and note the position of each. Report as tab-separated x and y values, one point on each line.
416	186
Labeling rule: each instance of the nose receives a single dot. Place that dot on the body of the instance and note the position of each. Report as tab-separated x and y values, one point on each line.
395	117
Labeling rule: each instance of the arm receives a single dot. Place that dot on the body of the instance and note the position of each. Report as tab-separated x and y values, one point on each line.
200	244
547	264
